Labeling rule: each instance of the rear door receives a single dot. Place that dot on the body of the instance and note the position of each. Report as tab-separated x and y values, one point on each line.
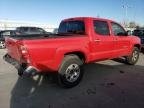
121	39
103	45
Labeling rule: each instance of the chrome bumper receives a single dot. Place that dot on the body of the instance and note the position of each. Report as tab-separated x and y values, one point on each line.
22	69
31	70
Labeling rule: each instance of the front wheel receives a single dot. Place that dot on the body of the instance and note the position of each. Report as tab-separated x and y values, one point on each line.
133	58
70	72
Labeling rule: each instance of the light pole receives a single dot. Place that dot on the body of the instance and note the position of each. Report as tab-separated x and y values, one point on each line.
126	10
126	7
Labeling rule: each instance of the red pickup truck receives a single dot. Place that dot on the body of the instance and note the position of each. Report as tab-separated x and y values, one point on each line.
79	40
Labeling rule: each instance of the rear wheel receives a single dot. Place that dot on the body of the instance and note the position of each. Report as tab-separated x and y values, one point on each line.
133	58
70	72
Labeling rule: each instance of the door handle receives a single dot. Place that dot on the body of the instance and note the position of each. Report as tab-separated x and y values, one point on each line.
97	40
124	47
115	40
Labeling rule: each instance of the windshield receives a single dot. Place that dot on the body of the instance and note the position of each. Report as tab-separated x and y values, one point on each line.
72	27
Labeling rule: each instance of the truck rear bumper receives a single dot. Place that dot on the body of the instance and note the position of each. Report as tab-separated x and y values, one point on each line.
30	70
23	69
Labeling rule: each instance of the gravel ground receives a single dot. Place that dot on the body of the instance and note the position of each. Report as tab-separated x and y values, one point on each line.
106	84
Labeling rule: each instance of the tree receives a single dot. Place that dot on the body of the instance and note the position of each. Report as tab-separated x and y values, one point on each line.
125	23
132	24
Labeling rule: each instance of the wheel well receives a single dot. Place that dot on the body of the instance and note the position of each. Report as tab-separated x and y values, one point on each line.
79	54
138	46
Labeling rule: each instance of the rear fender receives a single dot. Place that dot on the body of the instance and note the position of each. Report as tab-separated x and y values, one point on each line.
60	52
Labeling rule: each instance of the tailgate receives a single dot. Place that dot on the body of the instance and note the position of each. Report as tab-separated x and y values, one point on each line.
12	48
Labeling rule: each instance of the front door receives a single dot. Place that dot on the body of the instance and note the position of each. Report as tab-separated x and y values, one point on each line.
121	39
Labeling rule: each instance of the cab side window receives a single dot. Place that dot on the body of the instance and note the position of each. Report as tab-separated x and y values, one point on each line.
101	28
118	30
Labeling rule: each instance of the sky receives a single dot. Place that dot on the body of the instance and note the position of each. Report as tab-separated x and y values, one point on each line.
53	11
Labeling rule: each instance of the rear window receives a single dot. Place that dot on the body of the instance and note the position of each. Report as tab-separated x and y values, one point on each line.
23	29
33	29
73	27
41	30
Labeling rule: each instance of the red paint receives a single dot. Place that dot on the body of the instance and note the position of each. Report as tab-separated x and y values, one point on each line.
47	54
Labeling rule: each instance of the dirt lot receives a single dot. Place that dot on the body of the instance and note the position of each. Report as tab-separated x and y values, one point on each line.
107	84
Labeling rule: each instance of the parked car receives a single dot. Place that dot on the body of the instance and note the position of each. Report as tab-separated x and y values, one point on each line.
31	30
55	31
79	41
130	32
6	33
140	34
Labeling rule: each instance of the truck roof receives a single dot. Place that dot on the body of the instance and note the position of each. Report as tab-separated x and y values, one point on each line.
82	18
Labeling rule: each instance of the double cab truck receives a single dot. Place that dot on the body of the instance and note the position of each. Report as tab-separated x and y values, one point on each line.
79	41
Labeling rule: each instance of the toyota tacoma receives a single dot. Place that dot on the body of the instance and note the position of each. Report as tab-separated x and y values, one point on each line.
79	41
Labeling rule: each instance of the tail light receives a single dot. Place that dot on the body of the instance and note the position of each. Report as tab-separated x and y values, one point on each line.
24	52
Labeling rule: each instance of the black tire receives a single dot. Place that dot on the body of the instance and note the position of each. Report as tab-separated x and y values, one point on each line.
133	58
70	72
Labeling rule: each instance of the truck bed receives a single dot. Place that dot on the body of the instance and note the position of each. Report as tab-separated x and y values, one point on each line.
41	42
43	36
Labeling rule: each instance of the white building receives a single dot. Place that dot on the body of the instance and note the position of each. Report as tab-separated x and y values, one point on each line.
11	25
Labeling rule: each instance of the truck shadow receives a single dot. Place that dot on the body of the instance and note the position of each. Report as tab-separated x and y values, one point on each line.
42	91
142	50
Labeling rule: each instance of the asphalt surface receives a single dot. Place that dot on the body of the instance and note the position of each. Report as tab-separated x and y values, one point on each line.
106	84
